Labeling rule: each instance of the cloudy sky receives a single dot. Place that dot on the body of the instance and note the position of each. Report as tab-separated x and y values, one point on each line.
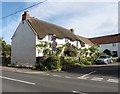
88	19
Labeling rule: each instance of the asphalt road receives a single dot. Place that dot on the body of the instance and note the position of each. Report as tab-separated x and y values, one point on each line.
85	80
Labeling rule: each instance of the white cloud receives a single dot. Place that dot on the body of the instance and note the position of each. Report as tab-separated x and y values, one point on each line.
96	23
88	19
8	30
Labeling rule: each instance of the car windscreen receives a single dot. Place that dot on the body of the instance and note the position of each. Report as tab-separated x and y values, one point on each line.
103	57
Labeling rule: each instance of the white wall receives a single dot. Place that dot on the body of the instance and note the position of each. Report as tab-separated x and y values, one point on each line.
39	51
23	45
119	50
110	47
60	42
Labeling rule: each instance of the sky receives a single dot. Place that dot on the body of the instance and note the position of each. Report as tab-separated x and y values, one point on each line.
88	19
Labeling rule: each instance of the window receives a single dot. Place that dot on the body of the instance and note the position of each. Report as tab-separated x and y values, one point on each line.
77	43
114	44
66	40
50	37
39	52
82	44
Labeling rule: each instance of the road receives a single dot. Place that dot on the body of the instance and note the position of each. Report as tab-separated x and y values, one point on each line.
85	80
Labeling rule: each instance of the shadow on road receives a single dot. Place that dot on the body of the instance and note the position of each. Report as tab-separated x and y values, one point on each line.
112	70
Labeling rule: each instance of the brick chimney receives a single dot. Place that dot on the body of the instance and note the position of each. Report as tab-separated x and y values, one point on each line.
72	30
25	16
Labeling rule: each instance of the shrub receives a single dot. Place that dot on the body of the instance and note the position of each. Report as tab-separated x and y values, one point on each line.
11	65
50	63
70	64
70	50
39	66
46	51
91	60
118	60
114	59
87	61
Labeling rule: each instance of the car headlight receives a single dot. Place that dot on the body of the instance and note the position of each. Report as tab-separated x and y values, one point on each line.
105	60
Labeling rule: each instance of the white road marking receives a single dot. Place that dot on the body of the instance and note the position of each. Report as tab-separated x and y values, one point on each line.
86	75
18	71
97	79
57	75
68	77
34	72
82	77
26	82
77	92
45	74
113	80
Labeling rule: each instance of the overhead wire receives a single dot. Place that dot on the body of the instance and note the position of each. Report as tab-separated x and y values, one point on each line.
22	10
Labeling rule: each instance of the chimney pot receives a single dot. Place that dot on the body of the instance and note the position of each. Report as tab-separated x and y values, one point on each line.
25	16
72	30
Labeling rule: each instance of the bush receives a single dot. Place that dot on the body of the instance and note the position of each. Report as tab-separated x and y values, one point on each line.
50	63
70	64
91	60
11	65
39	66
118	60
114	59
87	61
70	50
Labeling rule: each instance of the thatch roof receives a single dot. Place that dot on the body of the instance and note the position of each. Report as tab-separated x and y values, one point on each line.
85	40
43	28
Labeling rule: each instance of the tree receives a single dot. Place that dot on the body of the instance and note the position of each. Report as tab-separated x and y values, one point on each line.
5	51
43	47
0	46
70	50
108	52
93	50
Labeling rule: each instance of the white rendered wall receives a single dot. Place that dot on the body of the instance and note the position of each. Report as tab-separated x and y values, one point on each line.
119	50
110	47
60	42
23	45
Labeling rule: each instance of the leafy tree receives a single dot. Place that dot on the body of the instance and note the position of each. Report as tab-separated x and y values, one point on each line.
43	46
0	46
70	50
59	50
5	50
93	50
108	52
46	51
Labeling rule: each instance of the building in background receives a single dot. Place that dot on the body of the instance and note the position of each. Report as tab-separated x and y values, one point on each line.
109	42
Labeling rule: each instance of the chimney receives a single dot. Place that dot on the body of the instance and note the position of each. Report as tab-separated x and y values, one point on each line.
25	16
72	30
